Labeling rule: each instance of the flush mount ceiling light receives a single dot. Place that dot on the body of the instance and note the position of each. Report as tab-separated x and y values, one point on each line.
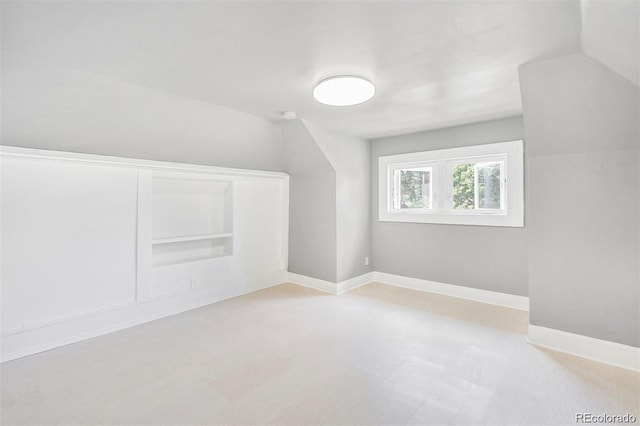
344	90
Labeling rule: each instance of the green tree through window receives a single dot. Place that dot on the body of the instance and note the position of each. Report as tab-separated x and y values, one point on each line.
415	189
488	186
463	186
471	185
464	189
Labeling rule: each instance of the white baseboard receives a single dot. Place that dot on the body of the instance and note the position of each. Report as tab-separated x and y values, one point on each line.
28	341
42	337
616	354
314	283
353	283
484	296
328	286
469	293
603	351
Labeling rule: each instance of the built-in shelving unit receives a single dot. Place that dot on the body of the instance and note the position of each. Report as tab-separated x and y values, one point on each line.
155	238
190	251
192	224
191	238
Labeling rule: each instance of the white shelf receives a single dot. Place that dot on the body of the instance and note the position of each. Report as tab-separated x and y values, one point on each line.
187	262
191	238
192	225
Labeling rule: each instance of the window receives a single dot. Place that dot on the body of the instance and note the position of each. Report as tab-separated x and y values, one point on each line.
412	188
477	185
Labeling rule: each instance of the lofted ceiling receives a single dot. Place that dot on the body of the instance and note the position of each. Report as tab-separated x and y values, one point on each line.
435	63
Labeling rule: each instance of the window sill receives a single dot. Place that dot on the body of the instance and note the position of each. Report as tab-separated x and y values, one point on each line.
481	219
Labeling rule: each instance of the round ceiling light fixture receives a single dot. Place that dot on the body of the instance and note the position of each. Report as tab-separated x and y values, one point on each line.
344	90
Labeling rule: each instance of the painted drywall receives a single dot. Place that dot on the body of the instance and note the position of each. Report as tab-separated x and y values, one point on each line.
434	63
583	216
610	33
484	257
312	205
57	108
350	158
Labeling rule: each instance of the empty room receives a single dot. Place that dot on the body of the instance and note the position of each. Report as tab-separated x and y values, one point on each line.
320	212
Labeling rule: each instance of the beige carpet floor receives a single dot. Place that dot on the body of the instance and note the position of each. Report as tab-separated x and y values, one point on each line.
290	355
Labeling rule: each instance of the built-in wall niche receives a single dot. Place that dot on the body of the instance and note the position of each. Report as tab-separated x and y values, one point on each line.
192	219
165	254
142	240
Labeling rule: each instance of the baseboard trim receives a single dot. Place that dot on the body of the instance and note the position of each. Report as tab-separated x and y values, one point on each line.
328	286
313	283
353	283
611	353
477	295
16	344
469	293
20	343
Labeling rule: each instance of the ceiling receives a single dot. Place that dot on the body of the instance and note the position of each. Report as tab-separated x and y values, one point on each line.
435	63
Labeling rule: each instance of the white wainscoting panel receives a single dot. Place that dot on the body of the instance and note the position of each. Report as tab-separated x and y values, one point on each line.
68	239
53	334
79	257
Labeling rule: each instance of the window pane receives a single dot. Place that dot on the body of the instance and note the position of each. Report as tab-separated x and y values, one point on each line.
488	185
464	186
413	188
477	186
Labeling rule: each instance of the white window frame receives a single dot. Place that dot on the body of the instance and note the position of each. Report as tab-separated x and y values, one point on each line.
442	162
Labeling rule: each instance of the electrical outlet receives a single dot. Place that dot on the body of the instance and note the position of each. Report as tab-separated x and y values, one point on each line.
366	261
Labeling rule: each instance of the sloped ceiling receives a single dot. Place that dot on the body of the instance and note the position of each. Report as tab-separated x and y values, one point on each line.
435	63
611	34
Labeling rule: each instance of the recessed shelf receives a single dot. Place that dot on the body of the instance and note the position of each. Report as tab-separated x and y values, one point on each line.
191	238
187	261
192	224
171	251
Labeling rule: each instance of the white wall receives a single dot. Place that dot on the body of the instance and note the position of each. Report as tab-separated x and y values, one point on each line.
582	123
330	222
312	213
68	239
350	158
77	249
484	257
50	107
610	33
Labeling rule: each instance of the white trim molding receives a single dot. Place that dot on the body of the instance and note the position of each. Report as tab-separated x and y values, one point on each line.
484	296
36	338
611	353
313	283
14	151
461	292
328	286
353	283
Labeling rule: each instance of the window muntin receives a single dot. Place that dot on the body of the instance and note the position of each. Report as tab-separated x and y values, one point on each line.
474	185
